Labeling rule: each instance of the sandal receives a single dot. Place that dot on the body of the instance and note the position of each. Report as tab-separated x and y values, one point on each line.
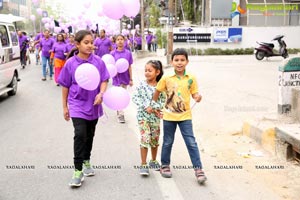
201	178
165	171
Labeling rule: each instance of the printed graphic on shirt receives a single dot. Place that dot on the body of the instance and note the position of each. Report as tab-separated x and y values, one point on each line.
175	102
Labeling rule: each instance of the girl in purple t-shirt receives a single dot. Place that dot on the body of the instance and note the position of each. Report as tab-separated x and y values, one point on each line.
122	79
81	105
59	50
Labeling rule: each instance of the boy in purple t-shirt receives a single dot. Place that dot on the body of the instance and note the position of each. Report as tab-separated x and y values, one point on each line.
102	44
46	45
149	38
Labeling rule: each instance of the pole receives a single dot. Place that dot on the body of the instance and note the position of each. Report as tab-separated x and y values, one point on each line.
142	25
202	12
170	30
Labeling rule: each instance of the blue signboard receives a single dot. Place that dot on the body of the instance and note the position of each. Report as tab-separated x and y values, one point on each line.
228	35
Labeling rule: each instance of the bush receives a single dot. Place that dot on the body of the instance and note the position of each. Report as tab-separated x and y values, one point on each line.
293	51
218	51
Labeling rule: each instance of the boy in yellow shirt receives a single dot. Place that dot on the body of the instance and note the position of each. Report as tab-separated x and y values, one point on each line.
179	87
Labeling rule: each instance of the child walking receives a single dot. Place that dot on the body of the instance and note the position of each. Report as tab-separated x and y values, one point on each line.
179	87
82	106
122	79
149	123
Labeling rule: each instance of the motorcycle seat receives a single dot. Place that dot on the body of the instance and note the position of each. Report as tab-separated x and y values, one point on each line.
271	45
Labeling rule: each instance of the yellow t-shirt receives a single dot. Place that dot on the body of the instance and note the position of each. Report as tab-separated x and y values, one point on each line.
178	91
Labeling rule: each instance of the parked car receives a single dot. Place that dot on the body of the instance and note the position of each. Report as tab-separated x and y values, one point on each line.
9	55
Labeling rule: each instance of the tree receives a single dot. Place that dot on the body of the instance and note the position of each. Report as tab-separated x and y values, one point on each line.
154	13
191	9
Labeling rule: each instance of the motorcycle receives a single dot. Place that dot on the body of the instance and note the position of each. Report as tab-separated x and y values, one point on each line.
266	49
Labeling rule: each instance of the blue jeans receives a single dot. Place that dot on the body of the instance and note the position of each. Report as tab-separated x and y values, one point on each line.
186	129
44	65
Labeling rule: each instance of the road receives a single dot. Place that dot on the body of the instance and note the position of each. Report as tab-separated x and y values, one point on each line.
33	134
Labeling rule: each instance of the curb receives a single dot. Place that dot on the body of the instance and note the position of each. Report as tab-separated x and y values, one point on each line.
263	133
280	139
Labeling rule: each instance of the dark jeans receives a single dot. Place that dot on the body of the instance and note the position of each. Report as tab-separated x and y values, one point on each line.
186	129
23	57
83	140
149	47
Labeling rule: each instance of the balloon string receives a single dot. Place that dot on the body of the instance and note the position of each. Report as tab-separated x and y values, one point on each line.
193	105
104	117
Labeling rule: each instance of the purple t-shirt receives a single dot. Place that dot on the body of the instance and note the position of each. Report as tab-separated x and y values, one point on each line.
46	45
138	40
149	38
69	47
37	38
122	78
23	42
80	101
103	46
59	49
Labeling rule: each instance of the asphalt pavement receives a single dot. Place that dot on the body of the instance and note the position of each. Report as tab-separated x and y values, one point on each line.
36	143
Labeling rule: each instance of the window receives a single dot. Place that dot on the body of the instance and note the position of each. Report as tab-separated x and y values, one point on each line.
4	36
13	35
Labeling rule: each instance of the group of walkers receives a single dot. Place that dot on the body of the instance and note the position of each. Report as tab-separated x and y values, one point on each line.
158	97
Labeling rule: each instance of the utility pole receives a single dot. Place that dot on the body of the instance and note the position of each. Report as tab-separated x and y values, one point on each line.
142	25
170	30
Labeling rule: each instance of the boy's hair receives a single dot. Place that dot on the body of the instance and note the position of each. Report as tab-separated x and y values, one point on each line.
180	51
158	66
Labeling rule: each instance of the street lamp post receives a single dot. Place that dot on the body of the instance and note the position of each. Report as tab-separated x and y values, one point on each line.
170	30
142	25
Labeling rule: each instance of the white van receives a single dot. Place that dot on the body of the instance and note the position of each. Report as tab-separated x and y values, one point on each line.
9	55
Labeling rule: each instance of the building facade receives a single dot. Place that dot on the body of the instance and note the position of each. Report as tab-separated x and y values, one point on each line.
259	13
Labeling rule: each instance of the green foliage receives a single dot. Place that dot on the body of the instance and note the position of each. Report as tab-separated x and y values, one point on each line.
293	51
154	13
191	9
161	38
219	51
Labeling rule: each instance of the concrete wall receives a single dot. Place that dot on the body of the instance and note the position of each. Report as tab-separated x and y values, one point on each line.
249	37
296	104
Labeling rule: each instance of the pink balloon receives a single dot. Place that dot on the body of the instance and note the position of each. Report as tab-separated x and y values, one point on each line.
87	5
137	27
132	7
113	9
32	17
122	65
44	20
112	70
57	29
39	11
108	59
128	26
47	25
116	98
87	76
35	2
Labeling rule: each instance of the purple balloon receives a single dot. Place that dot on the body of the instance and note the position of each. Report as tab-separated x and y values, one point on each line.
112	70
87	76
122	65
39	11
57	29
113	9
108	59
32	17
132	7
116	98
